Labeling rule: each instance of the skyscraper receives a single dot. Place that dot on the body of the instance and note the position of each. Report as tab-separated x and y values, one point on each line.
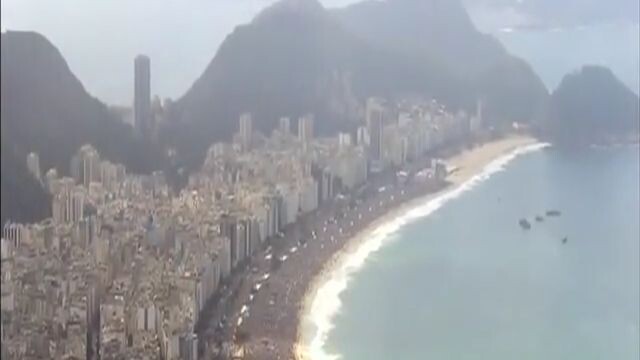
85	165
284	125
91	168
305	129
362	136
229	230
375	125
246	133
344	141
68	203
142	95
77	206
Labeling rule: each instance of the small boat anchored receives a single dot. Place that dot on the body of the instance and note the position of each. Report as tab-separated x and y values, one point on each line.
524	224
553	213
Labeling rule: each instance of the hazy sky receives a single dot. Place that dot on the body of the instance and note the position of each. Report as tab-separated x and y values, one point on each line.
100	38
556	13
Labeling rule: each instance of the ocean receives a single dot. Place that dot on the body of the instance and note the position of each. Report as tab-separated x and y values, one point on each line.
458	278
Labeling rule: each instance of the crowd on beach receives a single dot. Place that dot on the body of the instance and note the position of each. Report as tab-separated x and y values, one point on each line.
263	321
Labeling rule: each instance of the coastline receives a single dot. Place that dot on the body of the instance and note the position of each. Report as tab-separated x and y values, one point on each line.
471	164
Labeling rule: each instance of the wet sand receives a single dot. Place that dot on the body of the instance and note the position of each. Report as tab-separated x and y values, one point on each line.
271	325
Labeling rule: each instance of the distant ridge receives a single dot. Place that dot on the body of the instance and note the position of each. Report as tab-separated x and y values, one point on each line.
298	7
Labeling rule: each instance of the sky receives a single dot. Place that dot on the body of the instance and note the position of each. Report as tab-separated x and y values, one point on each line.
100	38
559	36
556	14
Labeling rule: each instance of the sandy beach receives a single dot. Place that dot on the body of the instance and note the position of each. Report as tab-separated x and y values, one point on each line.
467	164
275	303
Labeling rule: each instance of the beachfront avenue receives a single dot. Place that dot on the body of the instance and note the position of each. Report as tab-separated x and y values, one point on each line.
222	267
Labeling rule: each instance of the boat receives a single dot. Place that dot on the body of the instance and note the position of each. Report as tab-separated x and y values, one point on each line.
539	218
553	213
564	241
524	224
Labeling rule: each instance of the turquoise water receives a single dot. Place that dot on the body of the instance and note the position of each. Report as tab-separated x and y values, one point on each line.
467	283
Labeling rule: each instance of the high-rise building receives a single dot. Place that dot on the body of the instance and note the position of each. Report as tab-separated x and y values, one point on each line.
245	226
33	165
77	206
246	130
344	141
229	230
142	95
362	137
69	207
157	112
224	253
305	129
91	168
324	179
85	166
375	125
14	234
108	175
284	125
57	208
51	178
68	203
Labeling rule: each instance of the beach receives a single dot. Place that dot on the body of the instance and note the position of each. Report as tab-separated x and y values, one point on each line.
284	311
467	164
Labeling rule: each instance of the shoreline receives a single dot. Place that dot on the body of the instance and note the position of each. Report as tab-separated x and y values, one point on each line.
268	312
471	165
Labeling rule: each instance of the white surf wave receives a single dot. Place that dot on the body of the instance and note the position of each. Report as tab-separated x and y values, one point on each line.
326	300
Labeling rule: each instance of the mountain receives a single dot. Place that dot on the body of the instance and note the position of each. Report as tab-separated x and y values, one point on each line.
23	198
592	106
438	29
297	57
294	58
46	109
442	31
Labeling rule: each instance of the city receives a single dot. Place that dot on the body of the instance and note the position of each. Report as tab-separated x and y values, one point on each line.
126	268
320	180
